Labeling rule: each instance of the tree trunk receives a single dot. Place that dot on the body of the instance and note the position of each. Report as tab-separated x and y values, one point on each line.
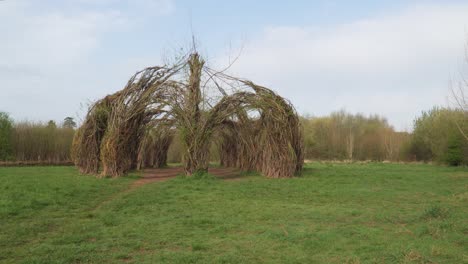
195	138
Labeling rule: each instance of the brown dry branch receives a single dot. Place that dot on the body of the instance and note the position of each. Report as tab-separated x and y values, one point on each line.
254	128
459	95
86	146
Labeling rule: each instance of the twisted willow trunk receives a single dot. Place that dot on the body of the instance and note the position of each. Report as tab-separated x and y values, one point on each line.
195	139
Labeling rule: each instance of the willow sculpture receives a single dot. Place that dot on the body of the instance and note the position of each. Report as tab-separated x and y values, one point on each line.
254	128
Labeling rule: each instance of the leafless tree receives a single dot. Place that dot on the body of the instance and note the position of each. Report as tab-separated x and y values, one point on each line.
459	100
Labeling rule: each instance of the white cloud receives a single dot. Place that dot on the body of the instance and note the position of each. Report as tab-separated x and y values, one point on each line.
395	65
154	7
48	64
43	37
50	40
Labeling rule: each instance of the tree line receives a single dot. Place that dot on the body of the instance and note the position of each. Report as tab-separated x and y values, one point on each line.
439	136
342	136
345	136
38	142
436	137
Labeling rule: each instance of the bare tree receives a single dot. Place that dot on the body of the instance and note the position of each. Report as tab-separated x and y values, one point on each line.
459	100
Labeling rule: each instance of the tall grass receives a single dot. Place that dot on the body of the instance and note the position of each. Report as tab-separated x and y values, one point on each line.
40	142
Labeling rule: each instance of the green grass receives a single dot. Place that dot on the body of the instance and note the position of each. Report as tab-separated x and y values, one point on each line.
334	213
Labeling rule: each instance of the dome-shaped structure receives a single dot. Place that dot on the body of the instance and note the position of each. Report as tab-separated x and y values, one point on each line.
255	128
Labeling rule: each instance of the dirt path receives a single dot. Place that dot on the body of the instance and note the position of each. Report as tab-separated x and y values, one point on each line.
158	175
155	175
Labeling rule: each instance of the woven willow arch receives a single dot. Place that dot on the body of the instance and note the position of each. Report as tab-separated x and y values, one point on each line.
134	127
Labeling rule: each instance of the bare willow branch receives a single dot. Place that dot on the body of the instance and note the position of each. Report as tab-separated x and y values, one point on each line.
254	128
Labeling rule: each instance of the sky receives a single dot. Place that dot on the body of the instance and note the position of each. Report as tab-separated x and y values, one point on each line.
391	58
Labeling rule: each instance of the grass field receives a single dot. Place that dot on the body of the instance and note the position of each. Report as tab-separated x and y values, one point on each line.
334	213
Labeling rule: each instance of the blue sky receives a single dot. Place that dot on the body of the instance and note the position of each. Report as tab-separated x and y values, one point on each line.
392	58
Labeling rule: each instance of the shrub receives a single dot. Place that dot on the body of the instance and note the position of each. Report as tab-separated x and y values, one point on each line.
436	137
454	156
6	127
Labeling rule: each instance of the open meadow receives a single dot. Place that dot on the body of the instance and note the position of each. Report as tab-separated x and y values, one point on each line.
175	131
333	213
